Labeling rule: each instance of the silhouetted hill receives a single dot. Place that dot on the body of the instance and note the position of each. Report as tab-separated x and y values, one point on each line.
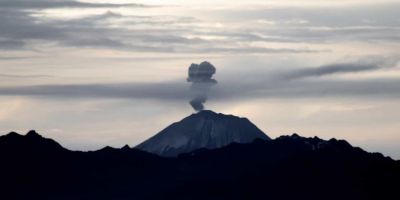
32	141
289	167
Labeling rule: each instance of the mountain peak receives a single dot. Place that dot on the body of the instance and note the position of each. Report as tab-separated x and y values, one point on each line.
205	113
211	115
32	141
33	133
205	129
13	134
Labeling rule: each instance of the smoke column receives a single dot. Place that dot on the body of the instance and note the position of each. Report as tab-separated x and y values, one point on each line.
200	75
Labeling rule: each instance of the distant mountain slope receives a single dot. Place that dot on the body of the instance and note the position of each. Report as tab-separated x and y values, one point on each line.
205	129
289	167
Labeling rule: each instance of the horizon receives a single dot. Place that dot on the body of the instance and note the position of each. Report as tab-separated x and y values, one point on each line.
97	73
196	112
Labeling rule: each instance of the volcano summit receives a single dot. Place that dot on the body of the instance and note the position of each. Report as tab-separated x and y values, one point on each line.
205	129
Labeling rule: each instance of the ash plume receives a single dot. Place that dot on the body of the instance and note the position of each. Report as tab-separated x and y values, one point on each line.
200	75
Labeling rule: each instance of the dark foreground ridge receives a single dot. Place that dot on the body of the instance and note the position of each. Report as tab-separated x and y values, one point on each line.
289	167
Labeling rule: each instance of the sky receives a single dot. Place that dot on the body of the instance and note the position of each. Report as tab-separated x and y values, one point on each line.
95	73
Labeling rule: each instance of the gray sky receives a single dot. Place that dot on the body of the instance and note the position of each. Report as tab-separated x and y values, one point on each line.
95	73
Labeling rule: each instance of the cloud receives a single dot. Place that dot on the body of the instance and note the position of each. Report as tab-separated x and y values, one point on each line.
22	28
260	85
10	44
371	88
369	64
48	4
254	50
23	31
166	91
258	88
23	76
349	23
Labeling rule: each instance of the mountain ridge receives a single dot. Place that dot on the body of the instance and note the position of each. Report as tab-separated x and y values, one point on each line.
308	167
314	142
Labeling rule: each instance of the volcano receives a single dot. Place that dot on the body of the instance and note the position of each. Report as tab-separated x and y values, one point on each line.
203	130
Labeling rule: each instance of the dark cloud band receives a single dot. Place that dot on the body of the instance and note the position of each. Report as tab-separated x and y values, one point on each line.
273	85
